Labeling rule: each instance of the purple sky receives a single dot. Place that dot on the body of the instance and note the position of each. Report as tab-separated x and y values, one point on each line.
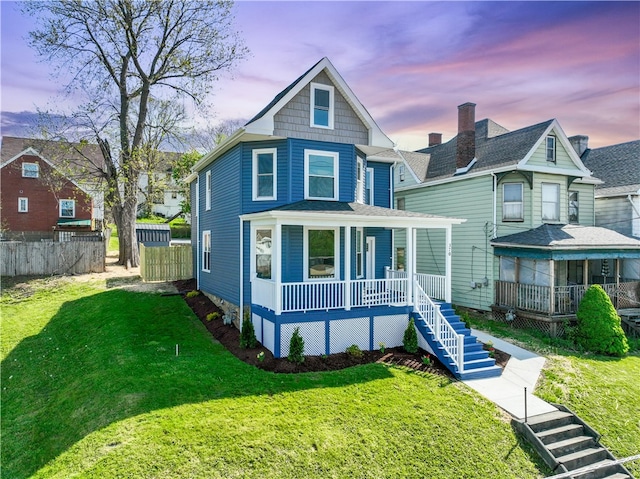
412	63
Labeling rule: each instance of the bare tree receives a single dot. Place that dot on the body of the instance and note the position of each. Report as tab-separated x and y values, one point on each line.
123	54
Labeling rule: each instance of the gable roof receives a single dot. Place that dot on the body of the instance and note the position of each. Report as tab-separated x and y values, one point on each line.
618	166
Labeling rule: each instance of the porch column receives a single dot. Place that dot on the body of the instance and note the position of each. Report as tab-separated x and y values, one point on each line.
617	281
278	271
552	287
410	255
585	273
447	269
347	268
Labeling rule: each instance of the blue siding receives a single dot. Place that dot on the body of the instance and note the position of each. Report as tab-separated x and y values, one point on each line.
222	220
383	248
292	267
282	164
381	183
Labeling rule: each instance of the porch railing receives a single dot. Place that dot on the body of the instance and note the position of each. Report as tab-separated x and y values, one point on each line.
449	339
433	285
312	296
378	292
565	299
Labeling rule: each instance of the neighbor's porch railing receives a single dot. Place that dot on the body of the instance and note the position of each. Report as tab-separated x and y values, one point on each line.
565	299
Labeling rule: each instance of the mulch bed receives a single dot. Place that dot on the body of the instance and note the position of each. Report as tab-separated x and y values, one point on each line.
229	337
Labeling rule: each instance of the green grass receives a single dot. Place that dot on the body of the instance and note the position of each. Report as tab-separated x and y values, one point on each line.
602	390
92	387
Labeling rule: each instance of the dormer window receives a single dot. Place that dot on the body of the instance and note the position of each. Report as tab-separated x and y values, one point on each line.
401	172
30	170
321	106
551	149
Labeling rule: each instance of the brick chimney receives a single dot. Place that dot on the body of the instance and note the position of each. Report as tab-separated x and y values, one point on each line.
466	147
580	143
435	139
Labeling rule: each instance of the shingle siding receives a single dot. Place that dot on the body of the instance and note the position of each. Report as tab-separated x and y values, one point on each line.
293	119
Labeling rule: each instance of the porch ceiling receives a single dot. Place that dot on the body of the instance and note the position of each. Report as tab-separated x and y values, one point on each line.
349	214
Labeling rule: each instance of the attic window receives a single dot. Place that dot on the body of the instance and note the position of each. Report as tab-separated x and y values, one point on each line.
551	149
401	172
30	170
321	107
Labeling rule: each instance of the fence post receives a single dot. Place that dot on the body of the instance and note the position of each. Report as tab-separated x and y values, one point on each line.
525	405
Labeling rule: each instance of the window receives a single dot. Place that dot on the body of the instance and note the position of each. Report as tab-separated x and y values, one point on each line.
512	205
573	207
264	174
550	202
551	149
23	205
400	259
321	106
30	170
206	251
207	200
321	175
320	247
401	172
67	208
507	269
400	204
359	249
369	186
263	253
360	181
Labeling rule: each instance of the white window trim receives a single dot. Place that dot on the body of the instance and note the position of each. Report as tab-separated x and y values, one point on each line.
546	148
207	199
312	105
360	274
521	202
369	201
205	234
73	213
577	207
336	251
334	155
37	170
360	180
26	204
557	202
261	151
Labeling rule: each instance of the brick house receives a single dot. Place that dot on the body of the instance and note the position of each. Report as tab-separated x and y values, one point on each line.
37	200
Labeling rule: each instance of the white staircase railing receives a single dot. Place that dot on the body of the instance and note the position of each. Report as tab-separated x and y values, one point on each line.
451	341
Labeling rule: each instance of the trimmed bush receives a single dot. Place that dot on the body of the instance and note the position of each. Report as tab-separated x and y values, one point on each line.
598	329
296	347
354	351
410	339
248	334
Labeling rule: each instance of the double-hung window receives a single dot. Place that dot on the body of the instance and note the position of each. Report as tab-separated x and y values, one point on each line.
550	202
321	107
369	186
67	208
264	174
359	254
321	253
207	199
512	205
23	205
321	175
573	207
551	149
360	181
206	251
263	253
30	170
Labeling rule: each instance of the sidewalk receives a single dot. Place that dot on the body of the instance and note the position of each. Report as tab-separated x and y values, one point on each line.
507	391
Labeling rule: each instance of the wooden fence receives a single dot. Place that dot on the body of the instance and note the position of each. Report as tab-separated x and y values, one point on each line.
165	263
19	258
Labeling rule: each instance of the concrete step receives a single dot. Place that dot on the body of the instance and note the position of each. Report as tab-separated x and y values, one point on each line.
573	444
549	436
582	458
550	420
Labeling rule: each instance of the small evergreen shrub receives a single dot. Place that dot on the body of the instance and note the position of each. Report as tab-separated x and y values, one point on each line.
296	347
354	351
598	329
193	294
213	316
248	334
410	339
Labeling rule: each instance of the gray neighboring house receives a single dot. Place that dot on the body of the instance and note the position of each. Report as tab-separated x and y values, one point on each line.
617	199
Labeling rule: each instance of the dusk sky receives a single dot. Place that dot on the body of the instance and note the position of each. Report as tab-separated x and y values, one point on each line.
412	63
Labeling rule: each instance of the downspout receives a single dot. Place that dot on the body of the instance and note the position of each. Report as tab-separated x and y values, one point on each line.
198	256
495	205
241	312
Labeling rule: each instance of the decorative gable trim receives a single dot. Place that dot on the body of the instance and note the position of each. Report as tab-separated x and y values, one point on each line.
557	131
264	123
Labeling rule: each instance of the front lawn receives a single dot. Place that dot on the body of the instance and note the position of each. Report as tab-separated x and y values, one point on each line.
92	387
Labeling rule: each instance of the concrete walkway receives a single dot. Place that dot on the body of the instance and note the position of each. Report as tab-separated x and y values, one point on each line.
507	391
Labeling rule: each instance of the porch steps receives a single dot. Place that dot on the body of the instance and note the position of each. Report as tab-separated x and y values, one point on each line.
477	363
567	444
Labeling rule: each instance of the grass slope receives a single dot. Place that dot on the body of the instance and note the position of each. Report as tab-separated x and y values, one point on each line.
92	387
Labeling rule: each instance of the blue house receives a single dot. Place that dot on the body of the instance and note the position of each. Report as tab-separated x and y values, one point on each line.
293	227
